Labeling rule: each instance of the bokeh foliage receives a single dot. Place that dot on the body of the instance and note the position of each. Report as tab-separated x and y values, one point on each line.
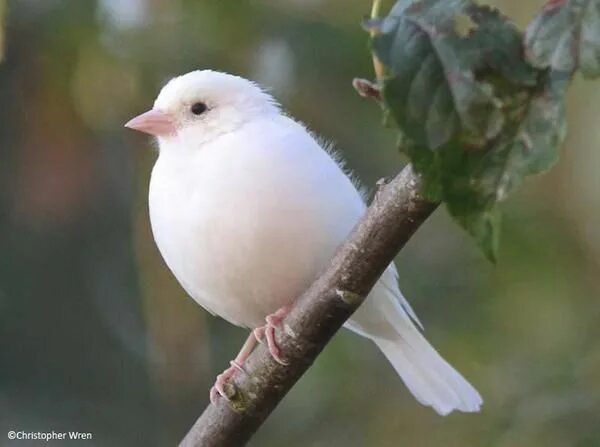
2	18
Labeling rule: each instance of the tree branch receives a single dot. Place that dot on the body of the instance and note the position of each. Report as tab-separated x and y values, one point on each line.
397	211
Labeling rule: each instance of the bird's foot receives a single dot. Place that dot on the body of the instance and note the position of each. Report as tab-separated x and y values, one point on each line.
268	332
218	388
264	332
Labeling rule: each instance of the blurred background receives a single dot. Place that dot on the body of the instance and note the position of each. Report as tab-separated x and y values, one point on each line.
96	335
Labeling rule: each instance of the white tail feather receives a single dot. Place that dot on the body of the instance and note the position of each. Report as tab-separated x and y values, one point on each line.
427	375
386	318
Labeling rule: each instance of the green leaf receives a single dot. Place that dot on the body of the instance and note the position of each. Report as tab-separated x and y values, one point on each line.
485	228
474	182
531	147
474	116
433	90
565	37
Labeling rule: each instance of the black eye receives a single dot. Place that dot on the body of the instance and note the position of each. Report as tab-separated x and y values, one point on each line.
198	108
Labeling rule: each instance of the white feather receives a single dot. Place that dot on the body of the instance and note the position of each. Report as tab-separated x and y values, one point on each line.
247	208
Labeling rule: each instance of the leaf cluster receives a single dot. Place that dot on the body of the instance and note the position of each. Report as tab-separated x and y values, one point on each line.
478	104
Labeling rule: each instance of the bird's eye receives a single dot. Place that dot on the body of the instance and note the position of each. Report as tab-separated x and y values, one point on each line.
198	108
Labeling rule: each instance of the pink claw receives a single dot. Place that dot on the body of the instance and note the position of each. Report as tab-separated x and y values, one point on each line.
218	388
268	331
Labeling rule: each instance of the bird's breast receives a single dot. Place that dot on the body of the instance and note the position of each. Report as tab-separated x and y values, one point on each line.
244	236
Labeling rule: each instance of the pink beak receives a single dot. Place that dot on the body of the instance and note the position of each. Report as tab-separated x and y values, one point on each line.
153	122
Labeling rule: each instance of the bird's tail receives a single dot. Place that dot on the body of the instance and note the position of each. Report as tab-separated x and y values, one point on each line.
427	375
386	318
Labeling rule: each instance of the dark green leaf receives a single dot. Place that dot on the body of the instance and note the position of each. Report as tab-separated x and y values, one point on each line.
433	93
485	229
475	117
565	37
532	148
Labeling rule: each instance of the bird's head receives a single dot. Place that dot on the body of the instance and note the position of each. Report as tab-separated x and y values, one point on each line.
201	105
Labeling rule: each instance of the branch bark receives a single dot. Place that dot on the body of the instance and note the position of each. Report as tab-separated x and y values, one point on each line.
397	211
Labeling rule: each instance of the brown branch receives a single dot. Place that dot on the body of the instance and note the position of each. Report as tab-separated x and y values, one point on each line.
395	214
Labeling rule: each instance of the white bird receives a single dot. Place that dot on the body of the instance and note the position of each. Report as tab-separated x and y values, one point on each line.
247	207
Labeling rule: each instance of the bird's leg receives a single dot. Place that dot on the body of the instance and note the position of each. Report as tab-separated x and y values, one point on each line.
268	331
218	388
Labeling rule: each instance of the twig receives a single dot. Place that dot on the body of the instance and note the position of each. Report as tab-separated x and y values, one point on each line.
395	214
